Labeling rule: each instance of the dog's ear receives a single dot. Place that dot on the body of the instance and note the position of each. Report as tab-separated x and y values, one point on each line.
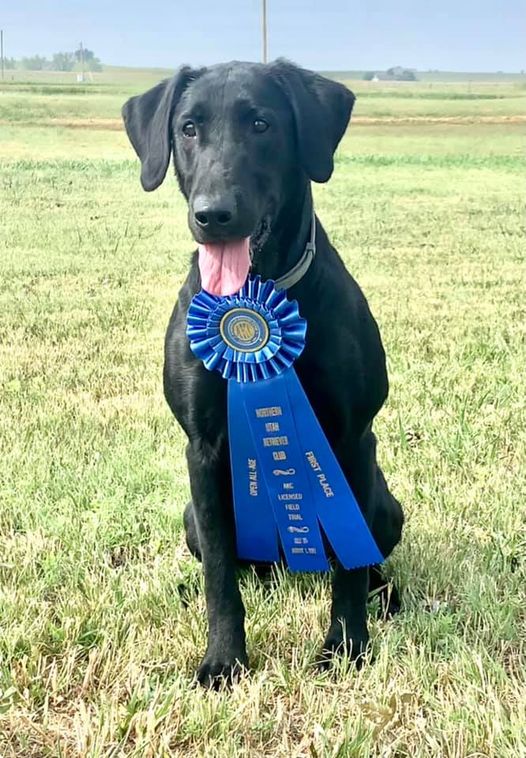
322	109
147	121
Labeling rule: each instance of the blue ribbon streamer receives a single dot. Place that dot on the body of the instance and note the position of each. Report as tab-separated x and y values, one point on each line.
288	487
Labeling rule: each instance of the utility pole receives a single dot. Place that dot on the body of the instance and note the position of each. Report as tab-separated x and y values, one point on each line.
82	62
264	30
2	51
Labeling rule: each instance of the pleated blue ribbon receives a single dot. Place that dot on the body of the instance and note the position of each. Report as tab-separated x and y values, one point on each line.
288	487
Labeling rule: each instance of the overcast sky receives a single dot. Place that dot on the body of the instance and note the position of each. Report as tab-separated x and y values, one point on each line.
460	35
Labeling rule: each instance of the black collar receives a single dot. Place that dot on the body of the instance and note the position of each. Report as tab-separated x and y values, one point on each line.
299	270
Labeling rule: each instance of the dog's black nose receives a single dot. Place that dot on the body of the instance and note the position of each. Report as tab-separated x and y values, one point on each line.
213	215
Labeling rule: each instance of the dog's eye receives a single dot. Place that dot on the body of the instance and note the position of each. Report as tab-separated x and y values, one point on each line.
259	125
189	129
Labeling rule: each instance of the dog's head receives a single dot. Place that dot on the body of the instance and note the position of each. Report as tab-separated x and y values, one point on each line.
240	134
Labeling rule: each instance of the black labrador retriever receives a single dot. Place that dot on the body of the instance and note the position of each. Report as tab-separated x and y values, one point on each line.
247	139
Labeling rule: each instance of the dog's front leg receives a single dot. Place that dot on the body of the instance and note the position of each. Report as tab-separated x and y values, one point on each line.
226	650
348	632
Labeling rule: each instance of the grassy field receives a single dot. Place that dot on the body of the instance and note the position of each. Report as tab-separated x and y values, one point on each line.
102	618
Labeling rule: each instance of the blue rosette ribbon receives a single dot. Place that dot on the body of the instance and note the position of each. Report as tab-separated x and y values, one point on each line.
289	490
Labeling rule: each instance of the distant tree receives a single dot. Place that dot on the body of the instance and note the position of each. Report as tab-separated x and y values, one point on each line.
63	62
84	53
86	56
34	63
399	74
95	65
368	76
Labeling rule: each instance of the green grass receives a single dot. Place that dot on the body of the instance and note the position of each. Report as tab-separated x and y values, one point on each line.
97	645
48	98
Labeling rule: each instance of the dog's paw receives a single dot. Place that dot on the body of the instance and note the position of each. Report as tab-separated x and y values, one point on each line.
219	669
355	648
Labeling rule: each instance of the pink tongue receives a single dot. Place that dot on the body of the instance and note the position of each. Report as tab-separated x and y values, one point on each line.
224	266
